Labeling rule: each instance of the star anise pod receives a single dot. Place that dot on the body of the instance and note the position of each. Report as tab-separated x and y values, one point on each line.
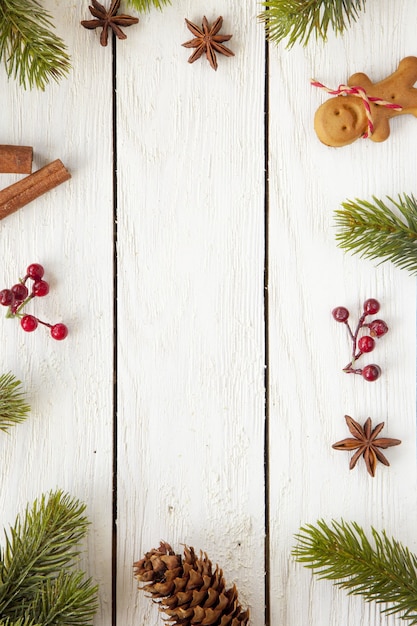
106	19
207	40
366	444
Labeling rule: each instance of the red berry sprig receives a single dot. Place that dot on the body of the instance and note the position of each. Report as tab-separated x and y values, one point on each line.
366	342
17	297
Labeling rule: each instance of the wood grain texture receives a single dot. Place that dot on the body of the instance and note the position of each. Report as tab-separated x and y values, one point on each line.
190	300
190	323
309	394
67	440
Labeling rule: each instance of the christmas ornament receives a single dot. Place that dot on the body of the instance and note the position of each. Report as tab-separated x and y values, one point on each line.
375	231
300	19
31	187
206	39
30	50
187	588
19	296
366	443
13	406
379	569
16	159
39	582
363	109
108	18
365	343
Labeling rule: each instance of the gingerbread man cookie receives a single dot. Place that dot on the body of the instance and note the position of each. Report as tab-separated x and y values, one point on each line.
363	108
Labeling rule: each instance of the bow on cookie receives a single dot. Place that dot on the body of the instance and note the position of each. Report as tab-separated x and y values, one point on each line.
363	108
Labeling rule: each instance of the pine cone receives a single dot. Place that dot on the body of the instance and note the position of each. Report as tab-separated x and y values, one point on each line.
188	590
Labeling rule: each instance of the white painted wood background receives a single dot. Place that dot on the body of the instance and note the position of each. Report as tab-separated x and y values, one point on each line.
186	419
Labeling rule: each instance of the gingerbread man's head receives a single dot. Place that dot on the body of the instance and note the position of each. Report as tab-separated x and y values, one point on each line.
340	121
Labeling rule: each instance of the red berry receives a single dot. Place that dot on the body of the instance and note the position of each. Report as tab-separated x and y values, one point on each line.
20	291
340	314
35	271
6	297
366	344
377	328
40	288
59	331
29	323
371	372
371	306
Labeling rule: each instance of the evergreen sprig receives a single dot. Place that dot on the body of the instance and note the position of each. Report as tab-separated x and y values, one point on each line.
297	20
24	621
13	406
145	5
374	230
380	570
29	49
38	585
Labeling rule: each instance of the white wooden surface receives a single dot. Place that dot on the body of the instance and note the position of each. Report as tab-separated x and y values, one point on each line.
185	421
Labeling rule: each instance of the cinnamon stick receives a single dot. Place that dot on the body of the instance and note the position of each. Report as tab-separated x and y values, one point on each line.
24	191
16	159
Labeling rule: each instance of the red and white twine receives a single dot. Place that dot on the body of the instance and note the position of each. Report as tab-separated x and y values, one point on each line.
346	90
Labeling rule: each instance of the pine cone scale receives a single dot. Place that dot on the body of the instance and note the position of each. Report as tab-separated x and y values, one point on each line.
198	598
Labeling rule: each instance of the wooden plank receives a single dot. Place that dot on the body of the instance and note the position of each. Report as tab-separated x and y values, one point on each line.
309	276
67	440
190	300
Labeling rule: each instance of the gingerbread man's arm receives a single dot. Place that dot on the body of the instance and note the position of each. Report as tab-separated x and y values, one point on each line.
406	72
404	76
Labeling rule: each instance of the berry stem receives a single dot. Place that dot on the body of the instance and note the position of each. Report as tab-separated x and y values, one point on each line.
350	365
351	370
23	304
355	337
352	336
44	323
11	312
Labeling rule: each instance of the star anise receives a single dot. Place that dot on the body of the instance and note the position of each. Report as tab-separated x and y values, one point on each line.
106	19
366	444
207	40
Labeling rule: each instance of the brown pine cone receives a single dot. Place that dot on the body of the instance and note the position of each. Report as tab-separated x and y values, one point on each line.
188	590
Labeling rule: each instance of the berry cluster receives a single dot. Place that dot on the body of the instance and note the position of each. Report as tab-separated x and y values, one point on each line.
18	296
366	342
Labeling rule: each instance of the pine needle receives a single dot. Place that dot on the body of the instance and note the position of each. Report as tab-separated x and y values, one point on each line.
29	49
373	230
13	407
23	621
146	5
299	19
35	581
380	570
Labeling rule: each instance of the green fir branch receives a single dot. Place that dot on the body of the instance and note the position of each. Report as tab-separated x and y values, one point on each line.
380	570
30	51
22	621
374	230
13	407
35	580
66	599
146	5
298	20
